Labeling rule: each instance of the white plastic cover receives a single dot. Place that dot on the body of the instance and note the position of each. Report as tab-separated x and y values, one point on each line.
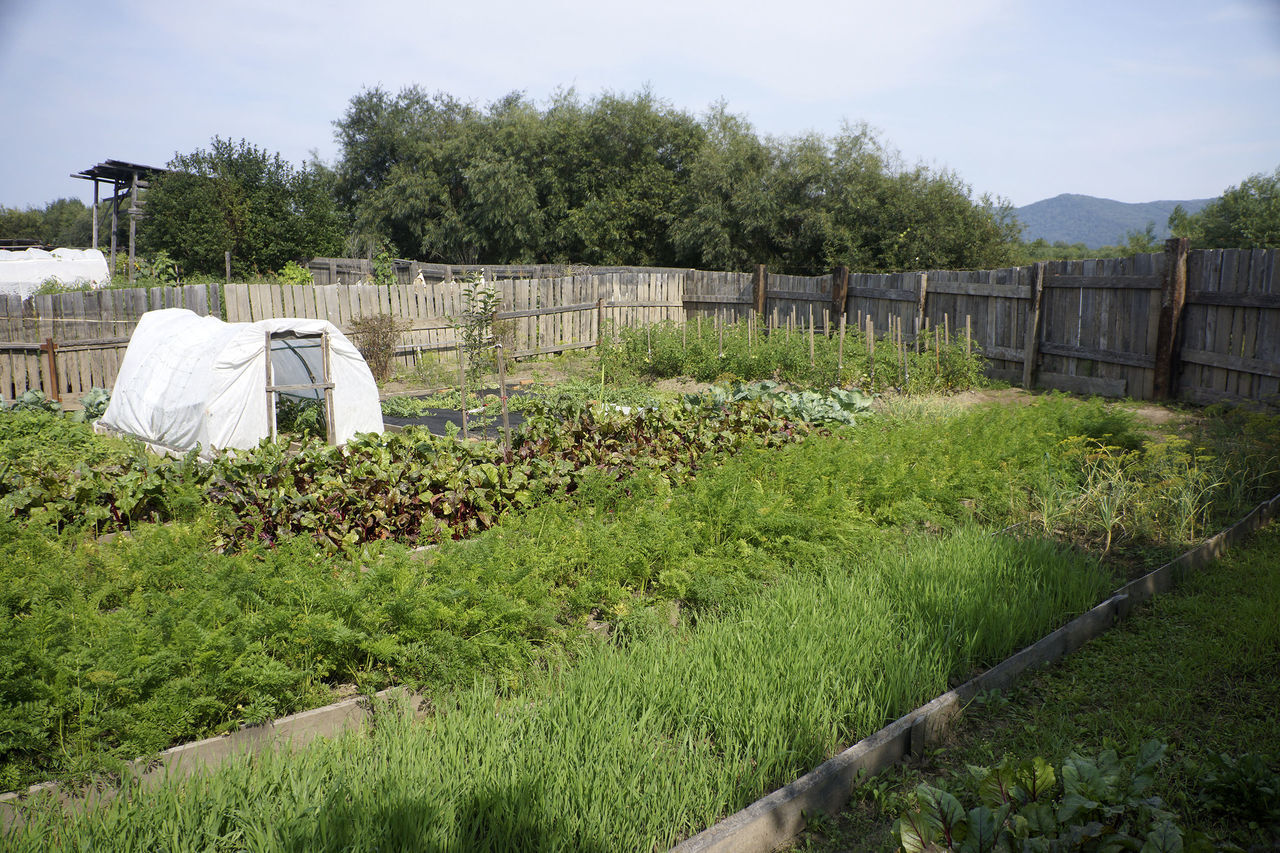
22	272
188	380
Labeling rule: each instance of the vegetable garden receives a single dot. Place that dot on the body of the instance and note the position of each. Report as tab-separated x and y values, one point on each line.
651	611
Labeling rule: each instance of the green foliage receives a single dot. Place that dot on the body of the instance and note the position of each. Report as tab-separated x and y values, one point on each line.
700	352
65	222
1246	216
295	273
651	707
1101	803
58	473
377	336
836	406
239	198
301	416
384	268
632	180
93	405
413	486
477	325
1245	787
34	400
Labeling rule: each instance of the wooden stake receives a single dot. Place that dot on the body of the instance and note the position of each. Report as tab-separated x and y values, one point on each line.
502	395
840	349
946	329
462	389
871	349
968	336
811	361
54	391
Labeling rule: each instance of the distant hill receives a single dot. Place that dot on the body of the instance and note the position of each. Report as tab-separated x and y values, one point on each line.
1096	222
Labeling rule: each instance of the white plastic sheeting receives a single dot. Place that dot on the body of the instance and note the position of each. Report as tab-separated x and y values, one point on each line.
188	380
22	272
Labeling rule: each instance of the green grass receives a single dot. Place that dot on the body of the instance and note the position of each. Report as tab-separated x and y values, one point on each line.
641	743
1198	669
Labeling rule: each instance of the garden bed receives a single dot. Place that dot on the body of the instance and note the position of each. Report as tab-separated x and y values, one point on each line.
569	558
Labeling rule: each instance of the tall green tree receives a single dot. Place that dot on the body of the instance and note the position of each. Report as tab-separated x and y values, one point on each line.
239	198
1246	216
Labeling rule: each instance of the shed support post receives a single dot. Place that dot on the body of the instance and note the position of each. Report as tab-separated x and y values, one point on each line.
330	430
271	396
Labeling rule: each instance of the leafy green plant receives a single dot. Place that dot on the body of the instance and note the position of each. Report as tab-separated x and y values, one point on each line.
301	416
384	267
405	407
34	400
1092	803
478	325
93	405
1245	787
836	406
295	273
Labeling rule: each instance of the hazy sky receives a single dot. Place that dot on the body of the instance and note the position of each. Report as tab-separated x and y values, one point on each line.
1126	99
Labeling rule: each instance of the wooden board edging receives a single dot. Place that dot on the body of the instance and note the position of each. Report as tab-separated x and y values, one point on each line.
185	759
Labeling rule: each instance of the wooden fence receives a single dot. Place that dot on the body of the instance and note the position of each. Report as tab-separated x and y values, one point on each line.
1202	326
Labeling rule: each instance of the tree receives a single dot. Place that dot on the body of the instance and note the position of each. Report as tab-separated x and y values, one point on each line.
239	198
629	180
1244	217
65	222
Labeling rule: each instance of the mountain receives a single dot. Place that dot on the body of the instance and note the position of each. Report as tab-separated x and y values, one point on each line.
1096	222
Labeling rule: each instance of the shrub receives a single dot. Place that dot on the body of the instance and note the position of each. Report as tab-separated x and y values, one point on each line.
376	336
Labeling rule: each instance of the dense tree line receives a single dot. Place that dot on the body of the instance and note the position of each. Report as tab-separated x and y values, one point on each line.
65	222
631	180
614	180
1246	216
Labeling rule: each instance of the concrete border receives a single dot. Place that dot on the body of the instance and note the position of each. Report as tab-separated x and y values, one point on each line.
776	818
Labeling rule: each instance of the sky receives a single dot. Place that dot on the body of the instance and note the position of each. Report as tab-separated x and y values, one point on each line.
1125	99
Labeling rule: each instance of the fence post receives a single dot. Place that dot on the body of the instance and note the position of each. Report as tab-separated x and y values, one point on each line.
1173	294
921	300
839	290
1031	344
51	348
760	288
